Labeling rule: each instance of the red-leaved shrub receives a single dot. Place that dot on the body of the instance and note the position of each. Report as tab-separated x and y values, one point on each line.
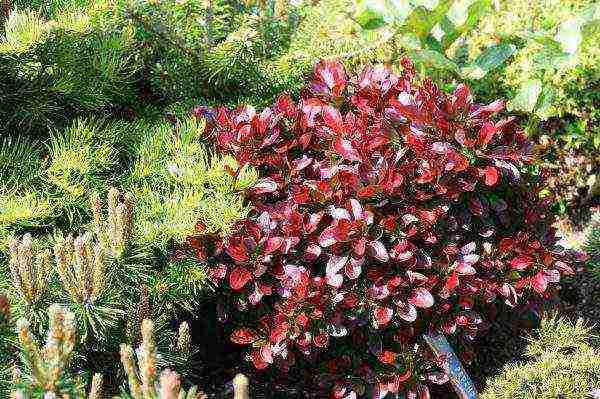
385	209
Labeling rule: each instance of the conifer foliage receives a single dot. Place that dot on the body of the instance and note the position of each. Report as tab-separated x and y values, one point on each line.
385	209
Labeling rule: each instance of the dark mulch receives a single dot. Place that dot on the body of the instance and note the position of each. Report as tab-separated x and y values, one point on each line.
581	295
504	342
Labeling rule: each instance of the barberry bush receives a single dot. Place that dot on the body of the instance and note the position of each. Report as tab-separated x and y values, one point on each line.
385	209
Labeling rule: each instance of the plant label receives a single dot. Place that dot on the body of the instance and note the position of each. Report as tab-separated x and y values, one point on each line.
458	377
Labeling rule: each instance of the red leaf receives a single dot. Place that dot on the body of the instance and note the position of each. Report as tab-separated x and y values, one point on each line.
438	377
330	78
321	340
465	268
563	267
539	282
387	357
344	148
407	312
264	186
279	332
522	262
266	353
335	264
462	100
377	250
451	283
332	118
328	237
243	336
257	360
239	277
491	175
367	192
273	244
313	221
421	298
382	315
312	252
301	163
334	280
200	228
353	268
237	251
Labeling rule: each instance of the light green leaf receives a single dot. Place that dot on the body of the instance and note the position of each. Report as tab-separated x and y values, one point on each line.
527	96
435	60
465	15
494	56
422	20
544	108
409	41
373	14
473	72
569	35
370	14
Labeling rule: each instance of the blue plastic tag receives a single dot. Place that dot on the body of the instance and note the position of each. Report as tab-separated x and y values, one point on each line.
458	377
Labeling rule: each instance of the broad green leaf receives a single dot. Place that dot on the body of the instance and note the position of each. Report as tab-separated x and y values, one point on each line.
418	22
370	14
544	108
569	35
527	96
437	32
433	59
494	56
450	32
544	39
422	20
459	11
373	14
409	41
590	14
465	15
428	4
431	43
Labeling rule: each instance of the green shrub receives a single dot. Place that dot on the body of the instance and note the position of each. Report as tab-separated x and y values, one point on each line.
562	364
176	182
50	71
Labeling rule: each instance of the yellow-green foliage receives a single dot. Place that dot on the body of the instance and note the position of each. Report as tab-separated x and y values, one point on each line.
52	69
79	159
22	210
22	29
562	364
176	183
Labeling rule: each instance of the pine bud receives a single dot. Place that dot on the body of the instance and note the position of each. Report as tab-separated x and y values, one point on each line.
119	222
129	366
169	385
241	387
29	278
84	279
63	255
48	364
147	356
184	339
96	389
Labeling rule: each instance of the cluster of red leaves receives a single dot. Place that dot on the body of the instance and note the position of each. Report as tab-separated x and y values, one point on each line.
385	209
